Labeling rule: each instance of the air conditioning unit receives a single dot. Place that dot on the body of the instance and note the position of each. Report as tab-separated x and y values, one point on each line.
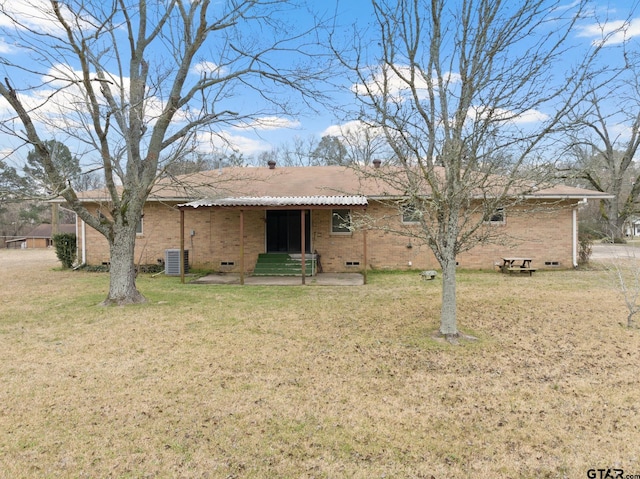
172	262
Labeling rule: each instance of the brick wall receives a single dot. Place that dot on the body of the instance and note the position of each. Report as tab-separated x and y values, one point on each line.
160	231
544	234
212	237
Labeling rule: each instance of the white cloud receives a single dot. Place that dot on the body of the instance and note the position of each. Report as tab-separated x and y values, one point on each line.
226	140
6	47
359	133
500	114
611	33
38	15
62	102
397	83
268	123
355	129
335	130
208	68
621	132
530	116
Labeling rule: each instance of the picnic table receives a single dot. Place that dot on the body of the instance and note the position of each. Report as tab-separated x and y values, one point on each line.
517	265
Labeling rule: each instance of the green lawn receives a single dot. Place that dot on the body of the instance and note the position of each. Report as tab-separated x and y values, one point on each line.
314	382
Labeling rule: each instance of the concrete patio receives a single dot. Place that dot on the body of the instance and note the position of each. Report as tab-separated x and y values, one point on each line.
321	279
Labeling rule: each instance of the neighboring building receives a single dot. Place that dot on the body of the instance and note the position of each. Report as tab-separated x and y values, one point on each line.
632	227
232	215
39	237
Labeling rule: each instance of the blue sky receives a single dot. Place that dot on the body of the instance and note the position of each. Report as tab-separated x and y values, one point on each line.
271	130
602	18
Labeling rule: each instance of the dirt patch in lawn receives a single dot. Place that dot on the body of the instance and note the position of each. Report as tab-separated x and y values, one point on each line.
295	382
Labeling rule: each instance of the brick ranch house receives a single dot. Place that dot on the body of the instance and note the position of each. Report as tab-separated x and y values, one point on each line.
226	218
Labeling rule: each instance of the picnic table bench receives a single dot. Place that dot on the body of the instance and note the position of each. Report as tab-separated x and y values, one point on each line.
517	265
427	275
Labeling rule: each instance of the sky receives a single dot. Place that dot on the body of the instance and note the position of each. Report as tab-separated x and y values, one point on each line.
310	121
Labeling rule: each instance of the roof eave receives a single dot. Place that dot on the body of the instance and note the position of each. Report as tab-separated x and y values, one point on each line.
152	199
296	202
578	197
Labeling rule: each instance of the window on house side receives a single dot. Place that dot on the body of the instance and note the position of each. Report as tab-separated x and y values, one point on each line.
497	217
340	221
410	214
139	227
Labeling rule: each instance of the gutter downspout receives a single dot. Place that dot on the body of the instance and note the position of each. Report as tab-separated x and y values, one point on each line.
575	230
84	242
83	248
181	261
574	242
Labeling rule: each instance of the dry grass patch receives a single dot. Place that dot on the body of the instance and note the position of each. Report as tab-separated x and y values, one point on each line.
323	382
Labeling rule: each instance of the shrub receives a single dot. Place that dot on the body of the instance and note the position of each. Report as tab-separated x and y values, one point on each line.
142	268
585	243
65	244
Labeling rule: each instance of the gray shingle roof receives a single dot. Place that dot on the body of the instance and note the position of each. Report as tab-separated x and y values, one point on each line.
300	186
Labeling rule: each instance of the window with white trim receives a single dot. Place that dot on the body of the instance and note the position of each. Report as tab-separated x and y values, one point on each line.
341	221
139	225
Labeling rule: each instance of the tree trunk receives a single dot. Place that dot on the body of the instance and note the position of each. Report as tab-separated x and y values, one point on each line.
448	319
615	224
122	281
612	208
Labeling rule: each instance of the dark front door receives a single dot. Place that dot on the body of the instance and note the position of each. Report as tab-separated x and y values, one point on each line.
283	231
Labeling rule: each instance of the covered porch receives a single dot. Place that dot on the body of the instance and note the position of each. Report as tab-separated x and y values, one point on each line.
288	232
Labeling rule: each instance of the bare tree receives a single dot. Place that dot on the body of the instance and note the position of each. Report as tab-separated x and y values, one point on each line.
604	144
462	92
352	144
625	277
296	152
329	151
136	83
364	143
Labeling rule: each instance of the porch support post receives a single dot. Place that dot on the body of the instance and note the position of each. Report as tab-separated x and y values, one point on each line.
55	219
303	247
364	254
181	261
242	247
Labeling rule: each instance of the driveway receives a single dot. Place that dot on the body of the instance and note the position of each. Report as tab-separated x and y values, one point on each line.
603	251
